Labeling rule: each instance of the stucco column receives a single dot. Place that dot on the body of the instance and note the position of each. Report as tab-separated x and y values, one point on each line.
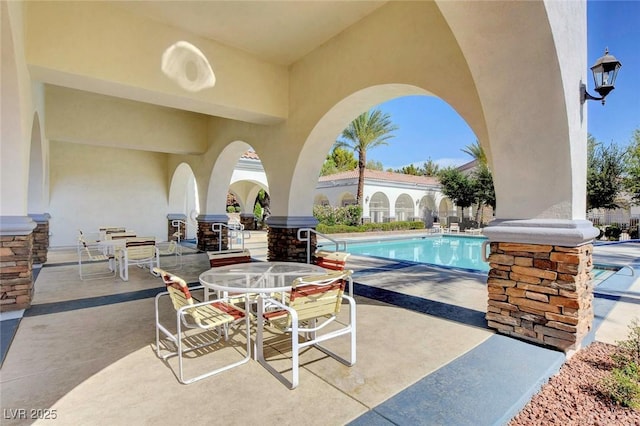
282	238
178	227
16	265
208	240
40	237
540	285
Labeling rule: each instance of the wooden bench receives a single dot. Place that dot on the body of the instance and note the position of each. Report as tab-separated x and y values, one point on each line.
228	257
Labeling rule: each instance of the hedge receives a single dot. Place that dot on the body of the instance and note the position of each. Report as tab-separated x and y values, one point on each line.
369	227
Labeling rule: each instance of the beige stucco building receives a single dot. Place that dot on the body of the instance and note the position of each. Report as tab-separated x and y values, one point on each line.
97	131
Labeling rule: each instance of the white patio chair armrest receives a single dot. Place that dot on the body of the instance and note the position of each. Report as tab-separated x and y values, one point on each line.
290	310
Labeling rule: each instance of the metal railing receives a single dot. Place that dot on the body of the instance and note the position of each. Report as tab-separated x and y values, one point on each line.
235	232
307	238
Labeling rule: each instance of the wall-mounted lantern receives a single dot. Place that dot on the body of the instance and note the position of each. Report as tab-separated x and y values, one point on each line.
605	71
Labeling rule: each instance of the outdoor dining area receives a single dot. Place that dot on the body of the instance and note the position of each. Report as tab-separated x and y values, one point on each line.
122	248
237	296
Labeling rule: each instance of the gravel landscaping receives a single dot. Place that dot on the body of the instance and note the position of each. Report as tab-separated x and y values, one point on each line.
573	397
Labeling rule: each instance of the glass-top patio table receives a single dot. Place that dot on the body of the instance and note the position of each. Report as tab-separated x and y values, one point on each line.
257	277
261	278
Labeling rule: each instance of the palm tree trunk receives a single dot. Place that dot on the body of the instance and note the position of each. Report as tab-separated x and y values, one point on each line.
362	163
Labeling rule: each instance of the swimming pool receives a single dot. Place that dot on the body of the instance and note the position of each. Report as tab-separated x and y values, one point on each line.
454	251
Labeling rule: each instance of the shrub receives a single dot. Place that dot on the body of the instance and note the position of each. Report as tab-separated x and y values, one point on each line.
347	215
369	227
633	233
231	209
613	232
622	385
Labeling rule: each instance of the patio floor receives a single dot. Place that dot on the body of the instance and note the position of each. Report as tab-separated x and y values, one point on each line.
86	350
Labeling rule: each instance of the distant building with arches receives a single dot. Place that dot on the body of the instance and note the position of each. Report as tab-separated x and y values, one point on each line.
388	196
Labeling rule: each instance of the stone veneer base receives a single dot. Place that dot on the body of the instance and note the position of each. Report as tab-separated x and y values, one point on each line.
541	293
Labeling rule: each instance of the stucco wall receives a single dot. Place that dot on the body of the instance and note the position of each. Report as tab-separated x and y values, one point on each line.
97	186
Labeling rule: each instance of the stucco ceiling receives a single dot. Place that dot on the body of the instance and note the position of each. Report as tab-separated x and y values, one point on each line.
276	31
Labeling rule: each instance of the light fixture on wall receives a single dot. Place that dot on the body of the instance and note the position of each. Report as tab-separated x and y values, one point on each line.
605	71
366	200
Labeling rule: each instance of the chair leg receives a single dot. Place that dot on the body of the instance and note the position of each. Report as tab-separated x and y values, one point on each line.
181	350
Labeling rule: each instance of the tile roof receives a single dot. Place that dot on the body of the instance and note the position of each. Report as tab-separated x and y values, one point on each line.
383	176
250	155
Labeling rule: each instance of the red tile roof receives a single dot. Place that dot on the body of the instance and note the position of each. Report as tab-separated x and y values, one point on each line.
383	176
250	155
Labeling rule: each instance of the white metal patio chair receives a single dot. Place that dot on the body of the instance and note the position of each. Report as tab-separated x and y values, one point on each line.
172	248
313	303
142	252
90	256
211	316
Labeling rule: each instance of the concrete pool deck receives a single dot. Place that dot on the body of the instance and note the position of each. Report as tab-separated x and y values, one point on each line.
425	355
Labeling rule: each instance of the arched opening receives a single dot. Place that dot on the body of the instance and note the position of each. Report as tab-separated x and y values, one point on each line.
321	200
347	199
427	210
379	207
183	198
445	210
404	207
38	171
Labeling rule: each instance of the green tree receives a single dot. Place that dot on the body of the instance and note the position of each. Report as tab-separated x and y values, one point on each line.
369	130
482	178
410	170
430	168
484	190
264	201
338	160
605	174
632	179
460	188
375	165
328	167
476	151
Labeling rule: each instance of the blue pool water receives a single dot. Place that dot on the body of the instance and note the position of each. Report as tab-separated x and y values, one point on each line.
445	250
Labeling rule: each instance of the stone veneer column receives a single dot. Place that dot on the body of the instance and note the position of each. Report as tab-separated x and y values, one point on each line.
40	238
248	220
282	238
173	229
16	262
540	283
209	240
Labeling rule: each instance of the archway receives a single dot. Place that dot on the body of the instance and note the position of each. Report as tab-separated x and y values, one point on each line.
347	199
445	210
38	171
321	200
379	207
404	207
428	211
183	198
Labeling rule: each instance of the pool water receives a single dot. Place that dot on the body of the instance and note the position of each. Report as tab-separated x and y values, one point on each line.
445	250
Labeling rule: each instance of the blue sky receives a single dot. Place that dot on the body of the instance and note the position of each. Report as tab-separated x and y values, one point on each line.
430	128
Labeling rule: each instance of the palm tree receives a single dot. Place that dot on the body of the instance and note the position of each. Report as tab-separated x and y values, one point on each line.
369	130
483	180
476	152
